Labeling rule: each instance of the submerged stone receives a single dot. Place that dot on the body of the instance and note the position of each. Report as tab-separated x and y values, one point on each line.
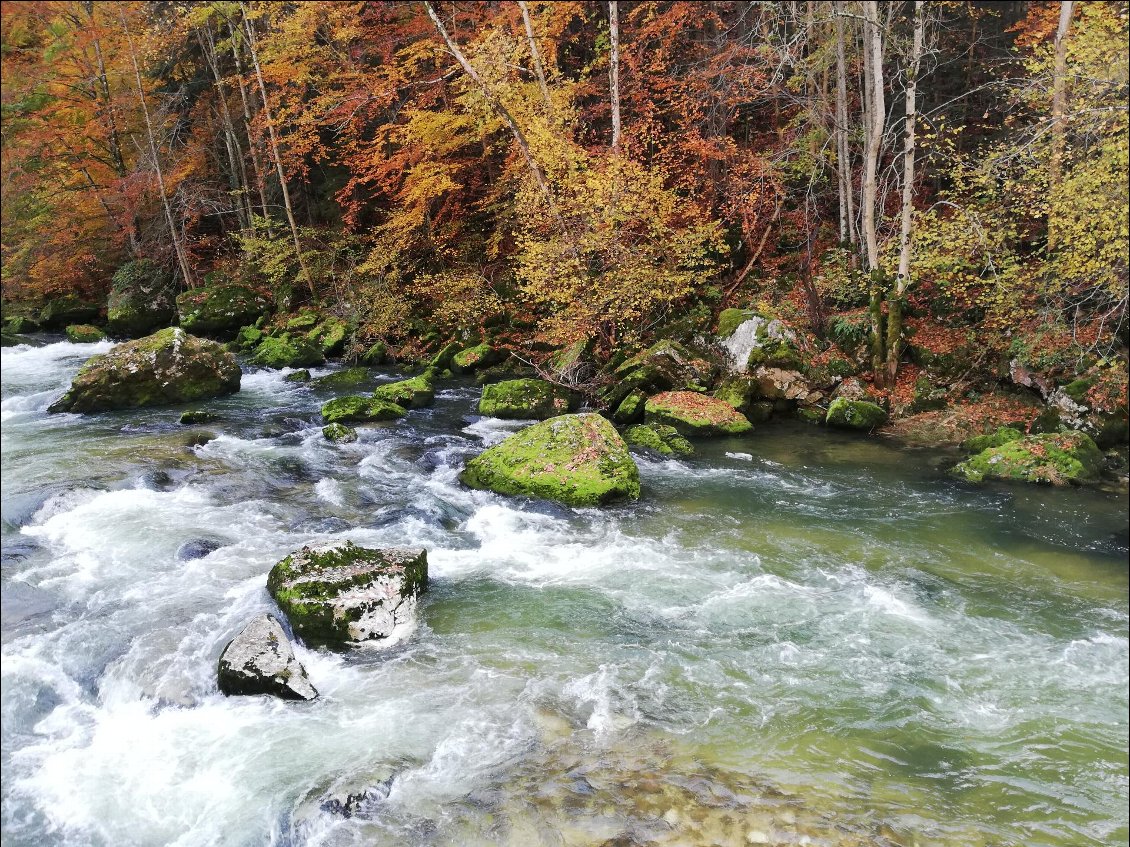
165	368
339	433
414	393
579	460
261	660
523	399
661	438
349	595
197	416
357	409
1057	458
300	375
696	414
855	414
343	379
84	334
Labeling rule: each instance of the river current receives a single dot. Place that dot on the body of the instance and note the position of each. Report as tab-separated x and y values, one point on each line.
795	637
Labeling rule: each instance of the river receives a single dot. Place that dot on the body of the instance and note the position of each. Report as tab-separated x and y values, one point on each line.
795	637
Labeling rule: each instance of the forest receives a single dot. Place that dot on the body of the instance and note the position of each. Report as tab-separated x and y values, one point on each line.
930	195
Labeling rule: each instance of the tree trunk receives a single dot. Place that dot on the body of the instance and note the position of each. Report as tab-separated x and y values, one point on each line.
875	125
260	179
614	70
848	233
254	54
238	178
178	247
906	233
1059	101
539	69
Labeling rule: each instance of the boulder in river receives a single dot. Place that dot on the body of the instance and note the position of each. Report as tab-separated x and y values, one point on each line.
1054	458
664	440
220	309
165	368
524	399
261	660
84	334
142	299
855	414
358	409
696	414
339	433
287	351
348	595
479	356
579	460
414	393
346	378
666	365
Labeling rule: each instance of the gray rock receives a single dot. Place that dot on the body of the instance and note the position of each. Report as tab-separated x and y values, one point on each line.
261	660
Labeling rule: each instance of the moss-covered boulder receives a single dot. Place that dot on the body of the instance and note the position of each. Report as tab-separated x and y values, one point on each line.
287	351
261	660
665	366
695	414
414	393
248	337
479	356
661	438
57	312
579	460
357	409
753	340
221	309
142	299
84	334
441	361
855	414
300	375
1058	458
330	335
18	323
1003	435
339	433
736	391
375	354
522	399
630	409
345	378
348	595
165	368
197	416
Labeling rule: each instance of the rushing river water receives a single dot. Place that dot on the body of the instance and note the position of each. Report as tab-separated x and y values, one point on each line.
796	637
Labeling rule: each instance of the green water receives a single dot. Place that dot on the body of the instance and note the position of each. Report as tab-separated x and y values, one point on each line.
828	642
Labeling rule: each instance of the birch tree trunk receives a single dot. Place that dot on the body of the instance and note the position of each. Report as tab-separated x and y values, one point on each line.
614	70
848	232
1059	103
539	69
254	54
252	147
178	246
906	233
875	126
238	179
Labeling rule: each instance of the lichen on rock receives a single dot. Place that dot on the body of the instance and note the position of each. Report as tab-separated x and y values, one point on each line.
348	595
579	460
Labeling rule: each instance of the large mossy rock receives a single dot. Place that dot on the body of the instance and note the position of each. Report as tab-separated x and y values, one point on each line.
357	409
220	309
752	340
142	299
162	369
664	440
348	595
579	460
695	414
414	393
345	378
524	399
287	351
84	334
855	414
261	660
68	309
1056	458
473	358
665	366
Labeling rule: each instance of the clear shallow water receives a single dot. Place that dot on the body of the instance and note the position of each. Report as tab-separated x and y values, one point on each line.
822	641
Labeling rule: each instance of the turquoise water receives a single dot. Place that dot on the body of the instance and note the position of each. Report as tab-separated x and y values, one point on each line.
796	637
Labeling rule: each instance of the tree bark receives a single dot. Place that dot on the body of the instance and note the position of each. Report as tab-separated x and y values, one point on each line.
260	179
848	232
614	70
1059	96
539	69
875	126
254	54
178	247
238	172
906	232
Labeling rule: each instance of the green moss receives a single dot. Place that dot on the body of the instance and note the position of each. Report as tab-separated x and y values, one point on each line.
339	433
248	337
286	351
1077	389
305	320
414	393
730	319
479	356
663	439
301	375
347	378
1050	458
197	416
855	414
360	409
220	309
20	324
695	414
330	335
736	391
68	309
442	360
567	359
84	334
142	298
775	353
375	355
579	460
980	443
524	399
811	414
631	408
